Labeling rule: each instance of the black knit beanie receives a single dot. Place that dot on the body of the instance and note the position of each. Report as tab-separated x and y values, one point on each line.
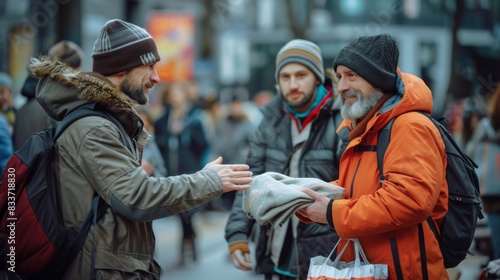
374	58
122	46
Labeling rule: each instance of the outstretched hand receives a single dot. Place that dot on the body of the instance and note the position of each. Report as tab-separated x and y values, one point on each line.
234	177
315	212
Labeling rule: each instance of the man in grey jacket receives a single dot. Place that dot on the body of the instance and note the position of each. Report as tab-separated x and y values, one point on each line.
92	159
297	139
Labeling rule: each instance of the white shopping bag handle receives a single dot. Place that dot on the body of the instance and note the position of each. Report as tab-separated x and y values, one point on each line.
358	250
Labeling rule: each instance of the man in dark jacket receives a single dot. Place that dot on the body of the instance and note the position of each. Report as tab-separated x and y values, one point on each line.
298	139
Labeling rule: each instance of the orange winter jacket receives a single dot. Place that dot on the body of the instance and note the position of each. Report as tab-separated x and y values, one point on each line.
385	218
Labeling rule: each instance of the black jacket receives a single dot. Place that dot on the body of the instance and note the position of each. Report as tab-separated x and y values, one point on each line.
185	155
270	150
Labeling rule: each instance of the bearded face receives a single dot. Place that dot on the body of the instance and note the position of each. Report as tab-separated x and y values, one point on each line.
134	89
355	106
298	85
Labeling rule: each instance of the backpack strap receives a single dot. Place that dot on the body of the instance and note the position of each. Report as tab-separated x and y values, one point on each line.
87	110
99	206
342	136
384	137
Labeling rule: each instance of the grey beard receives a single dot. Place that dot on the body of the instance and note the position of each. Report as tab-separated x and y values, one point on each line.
361	107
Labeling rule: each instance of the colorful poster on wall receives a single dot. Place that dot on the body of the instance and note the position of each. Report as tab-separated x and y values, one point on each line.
174	36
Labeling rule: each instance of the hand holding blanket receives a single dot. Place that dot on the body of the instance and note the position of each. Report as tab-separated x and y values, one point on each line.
274	197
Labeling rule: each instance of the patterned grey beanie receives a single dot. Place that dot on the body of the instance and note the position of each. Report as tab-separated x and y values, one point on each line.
122	46
303	52
374	58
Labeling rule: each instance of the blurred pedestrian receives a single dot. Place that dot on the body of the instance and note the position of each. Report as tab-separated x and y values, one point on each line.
180	136
297	139
68	52
487	131
211	114
152	160
7	100
491	271
92	160
193	94
473	110
254	108
5	143
232	143
31	117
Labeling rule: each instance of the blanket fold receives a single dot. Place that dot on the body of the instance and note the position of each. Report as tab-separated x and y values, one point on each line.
274	197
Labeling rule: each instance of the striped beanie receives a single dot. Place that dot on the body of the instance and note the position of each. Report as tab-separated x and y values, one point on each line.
122	46
303	52
374	58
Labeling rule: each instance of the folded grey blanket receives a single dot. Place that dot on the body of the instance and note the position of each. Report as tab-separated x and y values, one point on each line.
274	198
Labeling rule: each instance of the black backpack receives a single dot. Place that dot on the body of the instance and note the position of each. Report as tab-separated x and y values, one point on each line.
464	203
35	244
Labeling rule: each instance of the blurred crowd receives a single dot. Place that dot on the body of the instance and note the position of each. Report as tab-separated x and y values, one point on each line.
475	124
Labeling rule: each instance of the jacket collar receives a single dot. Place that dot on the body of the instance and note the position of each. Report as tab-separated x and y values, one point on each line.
62	88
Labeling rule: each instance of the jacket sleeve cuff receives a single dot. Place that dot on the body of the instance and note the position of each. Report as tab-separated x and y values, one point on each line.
243	246
329	216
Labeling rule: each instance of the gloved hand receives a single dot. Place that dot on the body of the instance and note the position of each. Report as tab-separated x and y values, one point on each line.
240	255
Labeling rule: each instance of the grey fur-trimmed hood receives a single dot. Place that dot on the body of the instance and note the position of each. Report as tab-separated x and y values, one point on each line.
62	89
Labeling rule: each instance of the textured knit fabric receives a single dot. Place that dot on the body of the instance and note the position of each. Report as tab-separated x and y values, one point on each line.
303	52
375	58
122	46
274	197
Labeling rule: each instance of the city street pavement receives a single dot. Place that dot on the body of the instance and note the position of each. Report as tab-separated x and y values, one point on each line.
213	260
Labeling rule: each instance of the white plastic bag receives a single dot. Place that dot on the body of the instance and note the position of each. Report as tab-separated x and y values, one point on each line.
322	268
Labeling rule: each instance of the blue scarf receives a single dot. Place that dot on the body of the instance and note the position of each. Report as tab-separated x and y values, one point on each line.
321	92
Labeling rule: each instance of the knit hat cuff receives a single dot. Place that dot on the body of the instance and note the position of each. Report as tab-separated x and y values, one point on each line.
292	59
140	53
243	246
379	78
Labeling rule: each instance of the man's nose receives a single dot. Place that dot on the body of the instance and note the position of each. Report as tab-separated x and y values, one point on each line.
293	83
154	76
342	86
